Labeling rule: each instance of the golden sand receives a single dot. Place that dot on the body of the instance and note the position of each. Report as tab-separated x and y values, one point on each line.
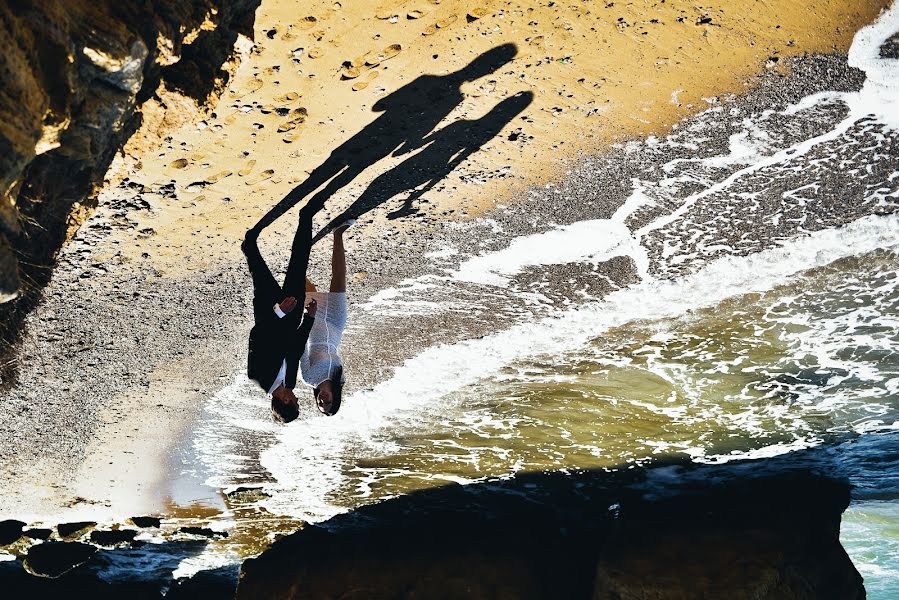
599	71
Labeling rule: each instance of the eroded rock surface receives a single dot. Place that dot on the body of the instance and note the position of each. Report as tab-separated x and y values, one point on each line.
660	533
77	79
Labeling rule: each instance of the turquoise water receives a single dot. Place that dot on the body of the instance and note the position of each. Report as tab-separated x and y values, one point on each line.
870	534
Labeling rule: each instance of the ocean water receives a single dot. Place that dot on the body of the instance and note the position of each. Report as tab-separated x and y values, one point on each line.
760	323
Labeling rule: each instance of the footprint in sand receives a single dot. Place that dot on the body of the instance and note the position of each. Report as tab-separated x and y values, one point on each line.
429	30
260	177
446	21
389	52
308	22
316	53
178	164
361	85
387	14
350	72
591	86
477	13
218	176
288	97
415	14
298	118
247	169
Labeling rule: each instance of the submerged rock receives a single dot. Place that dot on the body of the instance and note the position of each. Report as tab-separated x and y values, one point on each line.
591	535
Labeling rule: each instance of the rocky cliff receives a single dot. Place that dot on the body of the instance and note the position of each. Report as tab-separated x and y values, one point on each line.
77	79
674	534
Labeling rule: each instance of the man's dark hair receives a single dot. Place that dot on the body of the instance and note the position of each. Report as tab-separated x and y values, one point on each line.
285	413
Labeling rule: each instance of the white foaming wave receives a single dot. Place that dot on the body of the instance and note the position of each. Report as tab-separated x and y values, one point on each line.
236	409
879	97
600	239
306	460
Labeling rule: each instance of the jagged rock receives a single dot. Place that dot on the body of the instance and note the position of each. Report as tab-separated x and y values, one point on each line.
146	521
113	537
38	533
203	531
73	529
606	536
10	531
76	76
52	559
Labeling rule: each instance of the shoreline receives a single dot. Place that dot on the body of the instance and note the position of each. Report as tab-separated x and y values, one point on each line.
129	454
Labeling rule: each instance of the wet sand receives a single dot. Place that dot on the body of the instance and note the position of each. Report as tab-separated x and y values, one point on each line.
146	316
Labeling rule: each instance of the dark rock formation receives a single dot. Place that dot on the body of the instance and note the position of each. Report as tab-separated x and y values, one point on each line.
146	521
74	529
663	534
38	533
138	574
113	536
203	532
74	76
52	559
10	531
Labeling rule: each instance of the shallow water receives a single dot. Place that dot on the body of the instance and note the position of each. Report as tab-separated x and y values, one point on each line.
812	360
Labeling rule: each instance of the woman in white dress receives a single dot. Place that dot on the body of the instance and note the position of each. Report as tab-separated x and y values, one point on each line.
321	365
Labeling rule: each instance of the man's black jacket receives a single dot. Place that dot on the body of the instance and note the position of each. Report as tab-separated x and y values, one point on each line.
273	340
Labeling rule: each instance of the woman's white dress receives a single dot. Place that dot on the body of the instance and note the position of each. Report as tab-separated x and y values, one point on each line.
321	355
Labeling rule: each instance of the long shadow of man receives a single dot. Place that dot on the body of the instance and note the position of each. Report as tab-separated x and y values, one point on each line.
409	114
445	150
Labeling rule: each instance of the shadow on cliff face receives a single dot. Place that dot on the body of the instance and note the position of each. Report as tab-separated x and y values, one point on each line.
74	75
751	529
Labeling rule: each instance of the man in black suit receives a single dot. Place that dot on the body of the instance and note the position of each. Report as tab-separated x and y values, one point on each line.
278	338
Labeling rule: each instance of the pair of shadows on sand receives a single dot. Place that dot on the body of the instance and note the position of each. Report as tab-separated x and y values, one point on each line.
406	125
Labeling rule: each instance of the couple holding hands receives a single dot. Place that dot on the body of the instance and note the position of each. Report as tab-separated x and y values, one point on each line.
288	341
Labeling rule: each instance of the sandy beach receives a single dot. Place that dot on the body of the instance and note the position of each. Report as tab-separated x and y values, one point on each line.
147	314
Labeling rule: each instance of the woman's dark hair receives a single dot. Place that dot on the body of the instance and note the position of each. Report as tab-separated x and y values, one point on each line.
285	413
337	382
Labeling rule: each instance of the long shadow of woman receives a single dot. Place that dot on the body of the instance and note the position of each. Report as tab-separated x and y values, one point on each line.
444	150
